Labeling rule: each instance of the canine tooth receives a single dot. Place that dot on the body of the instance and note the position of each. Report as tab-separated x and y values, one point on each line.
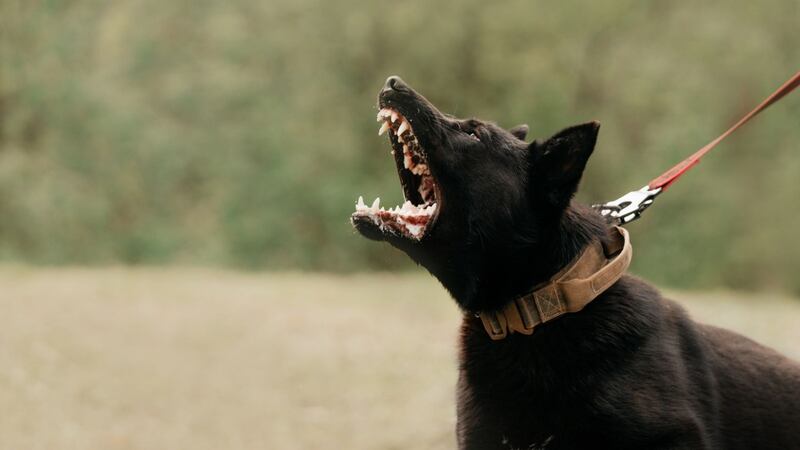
403	128
394	116
360	202
383	129
376	203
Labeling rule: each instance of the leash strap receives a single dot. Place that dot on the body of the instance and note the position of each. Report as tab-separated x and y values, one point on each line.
630	206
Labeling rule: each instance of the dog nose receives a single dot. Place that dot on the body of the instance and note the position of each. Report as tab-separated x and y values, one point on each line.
393	83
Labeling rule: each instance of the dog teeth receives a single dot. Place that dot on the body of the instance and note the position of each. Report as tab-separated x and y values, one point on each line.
415	230
403	128
408	219
412	219
360	206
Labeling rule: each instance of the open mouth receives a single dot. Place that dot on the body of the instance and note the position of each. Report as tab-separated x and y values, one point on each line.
413	218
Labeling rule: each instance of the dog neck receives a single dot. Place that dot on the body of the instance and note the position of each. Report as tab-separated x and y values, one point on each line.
486	279
598	266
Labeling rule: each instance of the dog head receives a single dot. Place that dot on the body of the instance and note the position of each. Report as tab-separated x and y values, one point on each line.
483	207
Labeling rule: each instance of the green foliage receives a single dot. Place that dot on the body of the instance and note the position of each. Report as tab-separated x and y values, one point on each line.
241	132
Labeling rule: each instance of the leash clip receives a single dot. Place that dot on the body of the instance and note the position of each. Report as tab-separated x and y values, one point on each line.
629	207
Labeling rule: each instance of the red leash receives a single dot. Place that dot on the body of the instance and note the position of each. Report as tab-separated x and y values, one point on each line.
669	177
630	206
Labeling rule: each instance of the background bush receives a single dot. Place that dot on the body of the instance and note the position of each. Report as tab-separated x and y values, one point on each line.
240	133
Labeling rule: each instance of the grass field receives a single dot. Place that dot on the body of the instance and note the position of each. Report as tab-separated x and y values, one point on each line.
201	359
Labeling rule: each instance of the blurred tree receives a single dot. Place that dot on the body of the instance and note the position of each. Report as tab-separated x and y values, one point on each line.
240	133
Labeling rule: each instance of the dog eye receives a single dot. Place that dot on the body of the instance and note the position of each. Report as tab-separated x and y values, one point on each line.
471	134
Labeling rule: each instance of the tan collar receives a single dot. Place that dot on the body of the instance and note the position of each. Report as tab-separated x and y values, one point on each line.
597	268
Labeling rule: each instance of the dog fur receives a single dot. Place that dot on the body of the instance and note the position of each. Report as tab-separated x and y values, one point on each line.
630	371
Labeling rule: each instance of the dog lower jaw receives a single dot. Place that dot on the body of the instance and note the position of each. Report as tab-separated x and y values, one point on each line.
407	220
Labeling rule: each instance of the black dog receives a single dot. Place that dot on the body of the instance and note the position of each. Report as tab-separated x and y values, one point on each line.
491	217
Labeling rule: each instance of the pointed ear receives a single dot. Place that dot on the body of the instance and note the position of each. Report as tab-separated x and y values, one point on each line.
520	131
559	162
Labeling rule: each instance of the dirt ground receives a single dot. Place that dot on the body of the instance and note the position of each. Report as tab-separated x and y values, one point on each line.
202	359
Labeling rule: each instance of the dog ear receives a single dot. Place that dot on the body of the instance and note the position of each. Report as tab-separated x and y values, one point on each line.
559	162
519	131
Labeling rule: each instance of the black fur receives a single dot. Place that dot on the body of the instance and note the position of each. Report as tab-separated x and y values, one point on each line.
631	370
